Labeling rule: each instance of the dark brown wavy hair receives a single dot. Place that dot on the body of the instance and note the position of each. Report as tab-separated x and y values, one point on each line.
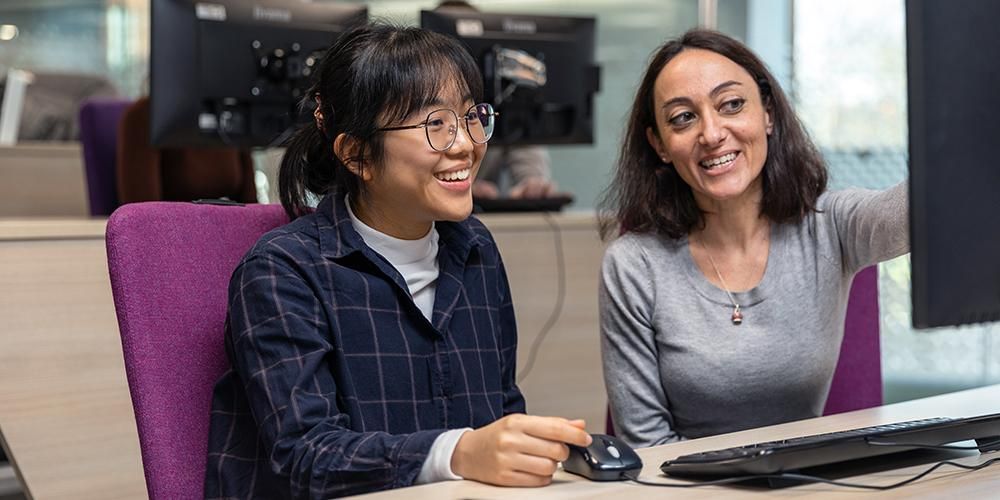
647	195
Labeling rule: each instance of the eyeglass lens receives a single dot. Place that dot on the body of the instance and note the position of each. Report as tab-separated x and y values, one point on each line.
442	126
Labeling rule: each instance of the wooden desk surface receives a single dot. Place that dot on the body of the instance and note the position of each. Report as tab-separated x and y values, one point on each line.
43	178
65	413
947	482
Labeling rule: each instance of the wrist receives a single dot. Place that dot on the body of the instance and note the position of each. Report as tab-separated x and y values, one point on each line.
461	458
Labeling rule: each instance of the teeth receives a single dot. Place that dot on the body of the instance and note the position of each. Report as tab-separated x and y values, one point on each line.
722	160
458	175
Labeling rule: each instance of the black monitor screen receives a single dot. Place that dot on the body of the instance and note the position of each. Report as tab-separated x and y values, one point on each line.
539	72
232	72
953	62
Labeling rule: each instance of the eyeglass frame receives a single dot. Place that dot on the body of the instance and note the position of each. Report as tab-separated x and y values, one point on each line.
494	113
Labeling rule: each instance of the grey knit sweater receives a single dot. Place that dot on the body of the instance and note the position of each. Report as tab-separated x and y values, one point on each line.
676	367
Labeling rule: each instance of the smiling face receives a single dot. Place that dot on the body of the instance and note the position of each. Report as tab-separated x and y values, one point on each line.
712	126
416	185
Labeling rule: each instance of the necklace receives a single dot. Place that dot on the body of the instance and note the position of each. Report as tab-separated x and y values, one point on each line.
737	315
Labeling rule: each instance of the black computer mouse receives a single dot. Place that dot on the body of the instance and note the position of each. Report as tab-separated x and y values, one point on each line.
606	459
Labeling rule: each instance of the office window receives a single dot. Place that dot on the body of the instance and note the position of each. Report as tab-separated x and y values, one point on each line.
850	90
98	38
71	51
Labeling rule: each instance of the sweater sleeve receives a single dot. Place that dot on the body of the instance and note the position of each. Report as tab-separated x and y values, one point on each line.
873	226
639	406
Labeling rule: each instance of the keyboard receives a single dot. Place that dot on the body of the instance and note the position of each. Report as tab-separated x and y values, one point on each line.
553	203
775	457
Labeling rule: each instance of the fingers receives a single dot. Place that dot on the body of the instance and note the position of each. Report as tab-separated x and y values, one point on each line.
538	466
555	429
547	189
552	450
523	479
533	187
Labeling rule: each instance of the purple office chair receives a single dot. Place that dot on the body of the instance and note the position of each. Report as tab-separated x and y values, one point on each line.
857	380
99	119
170	265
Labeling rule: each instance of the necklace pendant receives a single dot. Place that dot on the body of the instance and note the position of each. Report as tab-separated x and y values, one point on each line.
737	316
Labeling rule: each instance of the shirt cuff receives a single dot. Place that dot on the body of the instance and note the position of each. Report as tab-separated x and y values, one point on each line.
437	467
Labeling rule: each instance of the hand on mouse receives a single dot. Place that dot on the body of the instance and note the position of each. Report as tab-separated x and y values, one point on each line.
517	450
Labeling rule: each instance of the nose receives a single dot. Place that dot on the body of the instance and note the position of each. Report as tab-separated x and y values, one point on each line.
463	144
713	131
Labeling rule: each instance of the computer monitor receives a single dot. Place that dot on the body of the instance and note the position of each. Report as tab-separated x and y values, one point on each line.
539	71
954	128
232	72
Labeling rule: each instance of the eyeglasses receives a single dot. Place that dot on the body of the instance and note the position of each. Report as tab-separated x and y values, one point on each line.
441	126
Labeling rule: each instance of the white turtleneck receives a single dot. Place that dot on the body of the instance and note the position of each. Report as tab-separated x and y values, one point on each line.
416	261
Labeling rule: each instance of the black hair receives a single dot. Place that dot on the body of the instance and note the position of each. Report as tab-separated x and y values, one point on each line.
647	195
372	76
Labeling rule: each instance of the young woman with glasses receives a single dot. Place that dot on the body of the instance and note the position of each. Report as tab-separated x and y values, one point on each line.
372	340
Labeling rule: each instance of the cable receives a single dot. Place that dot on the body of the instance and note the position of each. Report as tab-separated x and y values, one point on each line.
988	444
816	479
560	297
714	482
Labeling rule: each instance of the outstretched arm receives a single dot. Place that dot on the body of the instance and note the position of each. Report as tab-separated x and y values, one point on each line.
873	226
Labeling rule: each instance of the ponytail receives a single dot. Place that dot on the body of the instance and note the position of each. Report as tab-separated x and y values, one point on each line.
308	166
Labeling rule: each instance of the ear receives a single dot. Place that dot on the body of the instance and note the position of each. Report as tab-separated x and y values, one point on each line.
769	124
657	144
348	150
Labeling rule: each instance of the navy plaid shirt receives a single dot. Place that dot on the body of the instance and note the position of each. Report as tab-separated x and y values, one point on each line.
339	384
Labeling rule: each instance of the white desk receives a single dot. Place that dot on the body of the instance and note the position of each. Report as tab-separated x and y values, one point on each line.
945	483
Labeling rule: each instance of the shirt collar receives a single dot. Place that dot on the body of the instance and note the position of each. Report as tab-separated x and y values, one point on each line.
338	238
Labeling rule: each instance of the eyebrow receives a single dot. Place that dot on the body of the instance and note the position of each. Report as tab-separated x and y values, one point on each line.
436	101
716	91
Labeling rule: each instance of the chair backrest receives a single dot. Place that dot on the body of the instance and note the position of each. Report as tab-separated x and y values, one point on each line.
170	265
857	380
99	119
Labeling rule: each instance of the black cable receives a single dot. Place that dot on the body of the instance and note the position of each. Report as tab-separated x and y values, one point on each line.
988	444
804	478
713	482
560	297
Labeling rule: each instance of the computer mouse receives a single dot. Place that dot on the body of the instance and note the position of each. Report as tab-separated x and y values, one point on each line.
606	459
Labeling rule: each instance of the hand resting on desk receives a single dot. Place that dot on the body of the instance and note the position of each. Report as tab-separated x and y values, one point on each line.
517	450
